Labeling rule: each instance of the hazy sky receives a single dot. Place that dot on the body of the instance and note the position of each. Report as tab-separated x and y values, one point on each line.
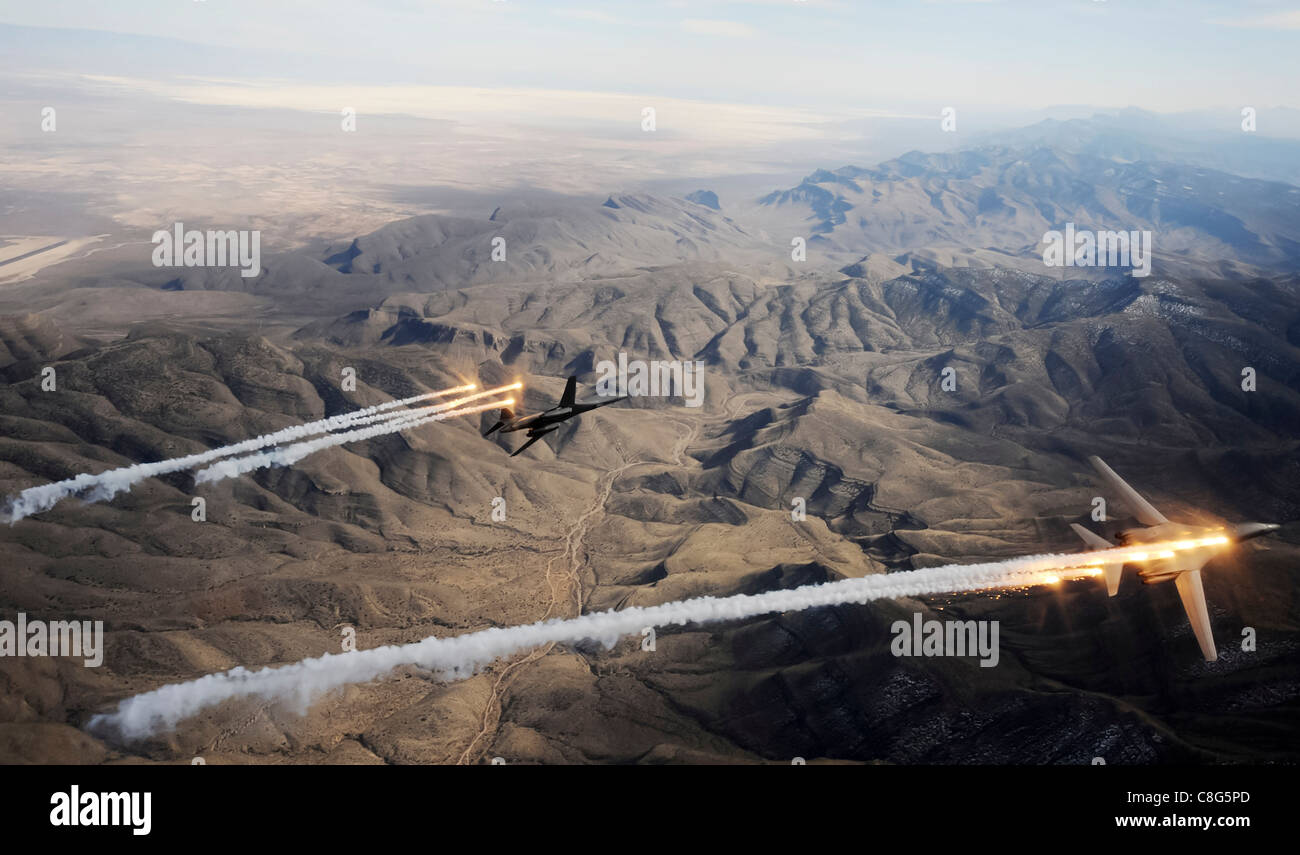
233	109
1163	55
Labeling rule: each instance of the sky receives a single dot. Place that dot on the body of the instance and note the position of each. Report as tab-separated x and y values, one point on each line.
1160	55
234	109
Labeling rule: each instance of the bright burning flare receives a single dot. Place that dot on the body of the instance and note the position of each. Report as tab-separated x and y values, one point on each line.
1090	564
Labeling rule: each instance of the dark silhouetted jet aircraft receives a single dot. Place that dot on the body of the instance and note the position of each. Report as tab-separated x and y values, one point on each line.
540	424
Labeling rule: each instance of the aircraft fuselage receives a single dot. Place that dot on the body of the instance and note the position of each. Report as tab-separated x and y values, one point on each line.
545	419
1164	566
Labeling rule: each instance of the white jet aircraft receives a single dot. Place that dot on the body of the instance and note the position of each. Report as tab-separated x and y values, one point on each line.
1182	564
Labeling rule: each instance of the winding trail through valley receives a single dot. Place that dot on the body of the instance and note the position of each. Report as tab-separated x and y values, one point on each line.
566	588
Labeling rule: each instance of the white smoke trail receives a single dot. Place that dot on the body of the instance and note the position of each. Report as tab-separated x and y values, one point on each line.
460	656
291	454
105	485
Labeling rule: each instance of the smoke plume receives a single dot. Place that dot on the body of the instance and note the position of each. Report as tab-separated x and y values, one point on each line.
291	454
105	485
460	656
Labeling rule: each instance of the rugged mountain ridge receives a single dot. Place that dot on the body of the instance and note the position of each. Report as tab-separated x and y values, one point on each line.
1007	198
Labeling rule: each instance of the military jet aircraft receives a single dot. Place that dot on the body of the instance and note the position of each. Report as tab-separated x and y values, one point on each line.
540	424
1192	546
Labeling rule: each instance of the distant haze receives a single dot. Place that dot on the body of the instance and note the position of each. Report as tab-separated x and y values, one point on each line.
1163	55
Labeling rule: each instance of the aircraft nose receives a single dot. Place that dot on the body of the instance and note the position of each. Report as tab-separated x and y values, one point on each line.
1246	531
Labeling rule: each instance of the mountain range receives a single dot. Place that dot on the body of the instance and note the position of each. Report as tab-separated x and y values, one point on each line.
823	382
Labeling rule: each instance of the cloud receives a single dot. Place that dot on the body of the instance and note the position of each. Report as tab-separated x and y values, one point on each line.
714	122
709	27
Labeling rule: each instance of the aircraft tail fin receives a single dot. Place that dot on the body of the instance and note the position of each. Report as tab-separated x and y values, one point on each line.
570	393
1110	571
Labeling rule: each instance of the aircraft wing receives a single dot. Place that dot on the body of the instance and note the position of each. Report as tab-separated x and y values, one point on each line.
533	437
507	415
1193	596
1145	511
